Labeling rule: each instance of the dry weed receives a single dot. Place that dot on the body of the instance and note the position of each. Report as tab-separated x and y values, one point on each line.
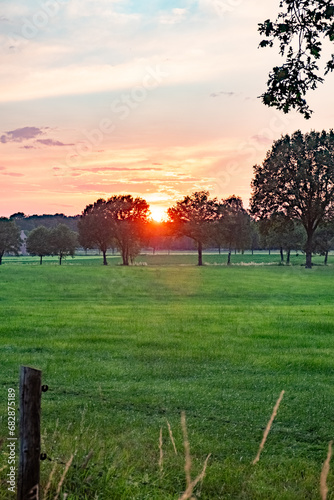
324	473
187	495
60	484
47	487
161	457
171	437
267	429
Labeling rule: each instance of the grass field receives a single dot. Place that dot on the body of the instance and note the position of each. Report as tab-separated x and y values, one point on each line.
123	350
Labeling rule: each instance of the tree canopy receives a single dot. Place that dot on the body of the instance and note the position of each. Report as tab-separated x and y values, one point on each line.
39	242
10	239
300	28
297	180
193	216
63	241
324	239
95	231
233	224
127	217
283	233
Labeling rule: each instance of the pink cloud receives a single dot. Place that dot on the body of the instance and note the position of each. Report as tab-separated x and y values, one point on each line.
12	174
116	169
51	142
21	134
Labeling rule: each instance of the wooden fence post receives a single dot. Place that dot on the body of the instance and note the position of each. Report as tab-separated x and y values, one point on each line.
30	438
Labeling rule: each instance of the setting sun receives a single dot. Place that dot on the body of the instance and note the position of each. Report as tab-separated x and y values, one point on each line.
158	213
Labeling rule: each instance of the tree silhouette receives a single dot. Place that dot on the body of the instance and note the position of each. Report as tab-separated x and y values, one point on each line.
324	239
10	240
39	242
95	230
297	179
235	224
193	217
283	233
300	27
63	241
127	218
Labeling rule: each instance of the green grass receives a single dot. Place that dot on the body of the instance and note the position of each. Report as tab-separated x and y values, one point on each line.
162	259
124	349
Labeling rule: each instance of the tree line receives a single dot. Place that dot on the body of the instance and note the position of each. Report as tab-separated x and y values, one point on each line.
291	208
60	240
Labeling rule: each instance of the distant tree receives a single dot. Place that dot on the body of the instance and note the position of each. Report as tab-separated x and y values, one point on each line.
193	217
127	218
254	236
10	240
300	29
297	179
39	242
28	223
235	225
95	230
324	240
17	215
155	234
279	229
63	241
294	239
265	239
283	233
218	238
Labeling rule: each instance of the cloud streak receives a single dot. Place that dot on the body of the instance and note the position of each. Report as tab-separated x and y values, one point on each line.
51	142
12	174
25	134
228	94
21	134
116	169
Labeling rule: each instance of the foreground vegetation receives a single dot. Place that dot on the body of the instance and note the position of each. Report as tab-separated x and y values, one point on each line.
124	350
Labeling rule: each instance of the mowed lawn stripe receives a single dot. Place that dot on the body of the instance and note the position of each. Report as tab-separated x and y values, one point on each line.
125	349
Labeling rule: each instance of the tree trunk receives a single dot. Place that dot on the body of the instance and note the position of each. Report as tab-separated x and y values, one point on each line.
269	251
282	254
288	256
219	249
1	254
105	263
308	251
252	251
40	259
200	253
125	255
326	258
125	260
60	258
229	258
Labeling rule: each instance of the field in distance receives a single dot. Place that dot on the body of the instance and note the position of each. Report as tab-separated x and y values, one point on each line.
174	258
124	350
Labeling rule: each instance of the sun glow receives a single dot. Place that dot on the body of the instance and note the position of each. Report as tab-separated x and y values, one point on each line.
158	214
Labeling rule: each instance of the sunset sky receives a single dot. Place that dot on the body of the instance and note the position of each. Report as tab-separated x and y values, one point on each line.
153	98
